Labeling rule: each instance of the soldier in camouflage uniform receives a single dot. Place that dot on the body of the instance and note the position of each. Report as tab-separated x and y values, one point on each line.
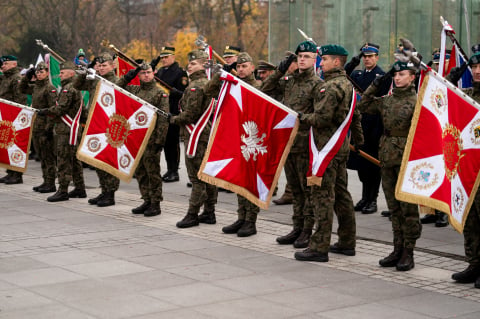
108	183
332	102
148	170
68	104
44	95
193	104
299	91
10	90
397	111
247	211
471	231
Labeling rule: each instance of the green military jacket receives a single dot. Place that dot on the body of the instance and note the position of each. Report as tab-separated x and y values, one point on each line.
151	93
193	104
332	102
10	86
397	112
44	96
81	83
299	91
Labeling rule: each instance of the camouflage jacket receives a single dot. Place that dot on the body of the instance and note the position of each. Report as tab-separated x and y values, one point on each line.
299	91
151	93
193	104
10	86
474	91
331	106
81	83
44	96
396	111
68	103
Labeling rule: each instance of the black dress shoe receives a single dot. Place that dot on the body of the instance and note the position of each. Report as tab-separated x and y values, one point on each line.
442	220
470	274
142	208
370	208
47	189
77	193
171	177
247	229
58	197
428	219
310	255
233	228
360	205
340	250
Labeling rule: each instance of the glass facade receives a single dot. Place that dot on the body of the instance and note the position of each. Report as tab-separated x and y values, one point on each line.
351	23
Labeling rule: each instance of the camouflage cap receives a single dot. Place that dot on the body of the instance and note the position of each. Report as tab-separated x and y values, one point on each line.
68	65
197	54
332	49
145	66
244	57
9	58
104	57
41	66
306	46
166	51
231	51
474	59
264	65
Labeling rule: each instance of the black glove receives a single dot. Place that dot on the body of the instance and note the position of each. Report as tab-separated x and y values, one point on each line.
157	148
430	63
1	62
131	74
357	147
382	79
92	64
43	112
30	73
230	67
285	63
176	92
154	63
354	62
457	72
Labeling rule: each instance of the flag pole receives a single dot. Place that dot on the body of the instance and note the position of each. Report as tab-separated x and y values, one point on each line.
46	47
450	33
18	105
200	42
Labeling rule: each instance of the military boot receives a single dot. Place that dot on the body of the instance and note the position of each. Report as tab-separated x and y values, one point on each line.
233	228
190	220
207	217
370	208
94	201
337	249
153	210
477	283
428	219
285	199
470	274
77	193
47	188
142	208
35	188
59	196
289	238
406	261
303	240
310	255
107	200
14	179
4	178
248	229
442	219
392	259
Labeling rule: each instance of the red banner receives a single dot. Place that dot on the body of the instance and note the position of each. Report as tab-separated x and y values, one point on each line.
122	69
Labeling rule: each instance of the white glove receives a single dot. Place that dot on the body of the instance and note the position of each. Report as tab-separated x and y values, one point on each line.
91	74
81	71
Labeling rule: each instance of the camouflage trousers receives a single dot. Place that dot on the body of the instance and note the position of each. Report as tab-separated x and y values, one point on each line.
44	145
68	166
331	196
202	193
108	182
406	224
149	177
247	210
471	233
296	167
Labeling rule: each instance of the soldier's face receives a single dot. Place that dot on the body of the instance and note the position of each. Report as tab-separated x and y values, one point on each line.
306	60
41	74
245	69
403	78
66	74
264	74
230	59
370	61
146	75
167	60
476	72
327	63
194	66
7	65
105	67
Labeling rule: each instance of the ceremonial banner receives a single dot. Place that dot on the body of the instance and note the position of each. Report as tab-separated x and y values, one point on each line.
123	68
117	131
54	72
440	166
15	133
249	143
456	60
319	159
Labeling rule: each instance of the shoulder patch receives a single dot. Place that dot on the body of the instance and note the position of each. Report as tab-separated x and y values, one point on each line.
322	90
65	91
164	95
54	91
286	78
193	89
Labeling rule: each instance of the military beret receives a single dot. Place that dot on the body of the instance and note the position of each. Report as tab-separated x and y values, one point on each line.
231	51
400	66
370	48
166	51
474	59
332	49
244	57
197	54
68	65
306	46
264	65
41	66
476	48
104	57
9	58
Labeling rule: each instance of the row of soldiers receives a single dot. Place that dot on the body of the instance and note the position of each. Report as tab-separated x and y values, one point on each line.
321	105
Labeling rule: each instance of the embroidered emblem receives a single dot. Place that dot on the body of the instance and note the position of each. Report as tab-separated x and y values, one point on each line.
17	157
475	132
452	146
438	101
141	118
106	99
23	119
8	134
458	201
117	130
253	143
125	161
423	176
93	144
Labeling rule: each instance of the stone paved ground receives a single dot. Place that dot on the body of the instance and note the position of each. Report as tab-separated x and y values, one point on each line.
74	260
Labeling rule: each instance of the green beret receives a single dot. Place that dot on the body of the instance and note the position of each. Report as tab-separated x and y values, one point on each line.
244	57
197	54
166	51
332	49
104	57
400	66
474	59
41	66
306	46
9	58
264	65
68	65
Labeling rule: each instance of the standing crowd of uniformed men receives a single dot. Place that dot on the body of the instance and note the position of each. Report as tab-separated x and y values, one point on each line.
380	127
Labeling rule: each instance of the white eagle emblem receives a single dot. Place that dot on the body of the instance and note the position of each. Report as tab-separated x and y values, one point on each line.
253	143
